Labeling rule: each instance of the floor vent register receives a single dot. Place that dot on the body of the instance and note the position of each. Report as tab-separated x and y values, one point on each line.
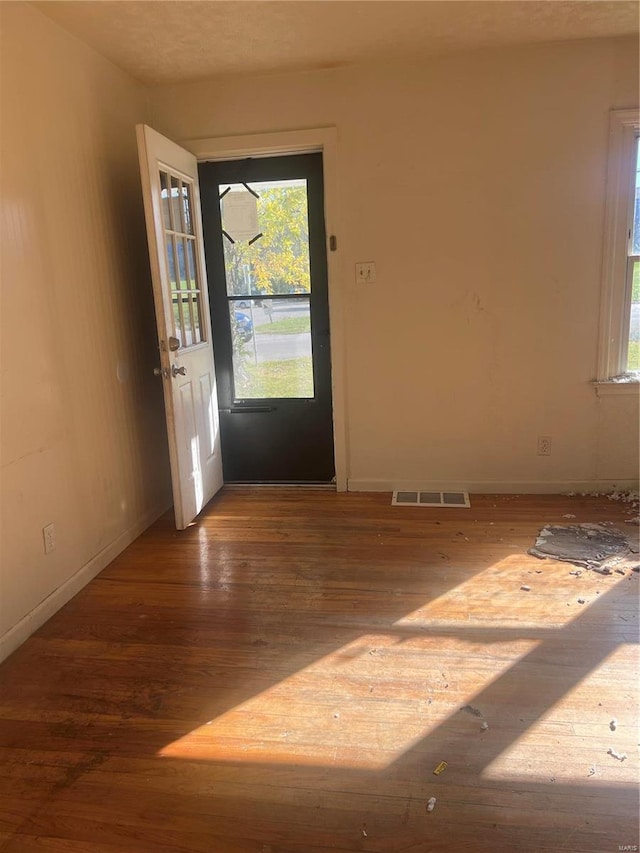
453	499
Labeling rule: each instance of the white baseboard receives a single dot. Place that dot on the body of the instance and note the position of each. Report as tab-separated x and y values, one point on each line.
494	487
15	636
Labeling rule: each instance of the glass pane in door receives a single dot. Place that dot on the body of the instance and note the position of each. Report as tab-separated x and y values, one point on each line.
271	340
266	252
180	242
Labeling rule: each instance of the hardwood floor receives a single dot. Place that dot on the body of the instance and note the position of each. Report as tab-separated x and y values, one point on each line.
286	674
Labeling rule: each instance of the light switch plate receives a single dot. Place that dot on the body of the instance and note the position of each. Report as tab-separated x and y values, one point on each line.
49	536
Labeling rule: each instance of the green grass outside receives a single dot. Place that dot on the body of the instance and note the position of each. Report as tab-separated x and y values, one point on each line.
291	378
635	289
288	326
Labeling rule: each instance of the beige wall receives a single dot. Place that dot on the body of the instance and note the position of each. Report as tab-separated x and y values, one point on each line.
476	183
83	440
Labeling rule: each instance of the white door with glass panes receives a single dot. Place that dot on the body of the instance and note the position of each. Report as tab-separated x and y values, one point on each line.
174	232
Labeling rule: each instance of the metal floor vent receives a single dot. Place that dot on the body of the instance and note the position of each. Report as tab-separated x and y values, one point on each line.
459	499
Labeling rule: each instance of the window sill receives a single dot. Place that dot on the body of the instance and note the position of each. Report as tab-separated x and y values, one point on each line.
616	387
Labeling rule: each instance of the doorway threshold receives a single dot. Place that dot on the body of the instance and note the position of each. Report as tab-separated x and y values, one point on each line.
266	484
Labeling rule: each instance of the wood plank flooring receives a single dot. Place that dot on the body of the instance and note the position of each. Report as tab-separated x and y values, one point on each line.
285	675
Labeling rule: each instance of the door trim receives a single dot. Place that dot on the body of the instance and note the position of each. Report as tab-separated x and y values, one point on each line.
324	139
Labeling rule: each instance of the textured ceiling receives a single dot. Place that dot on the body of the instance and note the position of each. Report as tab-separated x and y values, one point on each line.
180	40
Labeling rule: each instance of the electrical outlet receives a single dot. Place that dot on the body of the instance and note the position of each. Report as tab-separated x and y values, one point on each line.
544	445
365	273
49	536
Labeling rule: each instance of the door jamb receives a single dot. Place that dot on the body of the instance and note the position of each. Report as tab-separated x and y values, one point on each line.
324	139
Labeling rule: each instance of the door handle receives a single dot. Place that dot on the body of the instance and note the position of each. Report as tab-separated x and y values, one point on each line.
160	371
174	344
178	370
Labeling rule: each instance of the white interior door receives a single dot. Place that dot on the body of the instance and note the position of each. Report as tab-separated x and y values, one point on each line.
174	232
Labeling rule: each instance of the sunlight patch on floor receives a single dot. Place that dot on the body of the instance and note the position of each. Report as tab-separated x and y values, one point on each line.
486	600
571	739
362	706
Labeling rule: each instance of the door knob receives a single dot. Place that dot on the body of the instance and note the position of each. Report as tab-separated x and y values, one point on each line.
174	344
160	371
178	370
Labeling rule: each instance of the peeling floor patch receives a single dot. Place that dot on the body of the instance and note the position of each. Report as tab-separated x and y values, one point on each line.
591	546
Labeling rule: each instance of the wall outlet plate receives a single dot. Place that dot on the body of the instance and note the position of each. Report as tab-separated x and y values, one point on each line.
544	445
365	272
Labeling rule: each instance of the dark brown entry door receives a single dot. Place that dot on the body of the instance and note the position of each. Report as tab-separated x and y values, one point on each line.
265	248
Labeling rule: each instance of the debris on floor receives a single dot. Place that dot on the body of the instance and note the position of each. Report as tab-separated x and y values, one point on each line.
581	601
568	515
631	497
588	545
525	588
484	726
620	756
431	804
471	710
364	833
592	770
440	768
613	725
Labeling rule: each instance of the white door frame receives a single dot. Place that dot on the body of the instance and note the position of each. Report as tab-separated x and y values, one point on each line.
324	139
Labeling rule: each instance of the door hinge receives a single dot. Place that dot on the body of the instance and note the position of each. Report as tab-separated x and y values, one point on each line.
333	243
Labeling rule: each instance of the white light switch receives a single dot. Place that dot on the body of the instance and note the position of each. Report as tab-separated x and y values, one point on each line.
366	273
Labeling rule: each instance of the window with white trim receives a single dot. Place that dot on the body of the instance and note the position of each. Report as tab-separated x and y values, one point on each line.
633	273
619	345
